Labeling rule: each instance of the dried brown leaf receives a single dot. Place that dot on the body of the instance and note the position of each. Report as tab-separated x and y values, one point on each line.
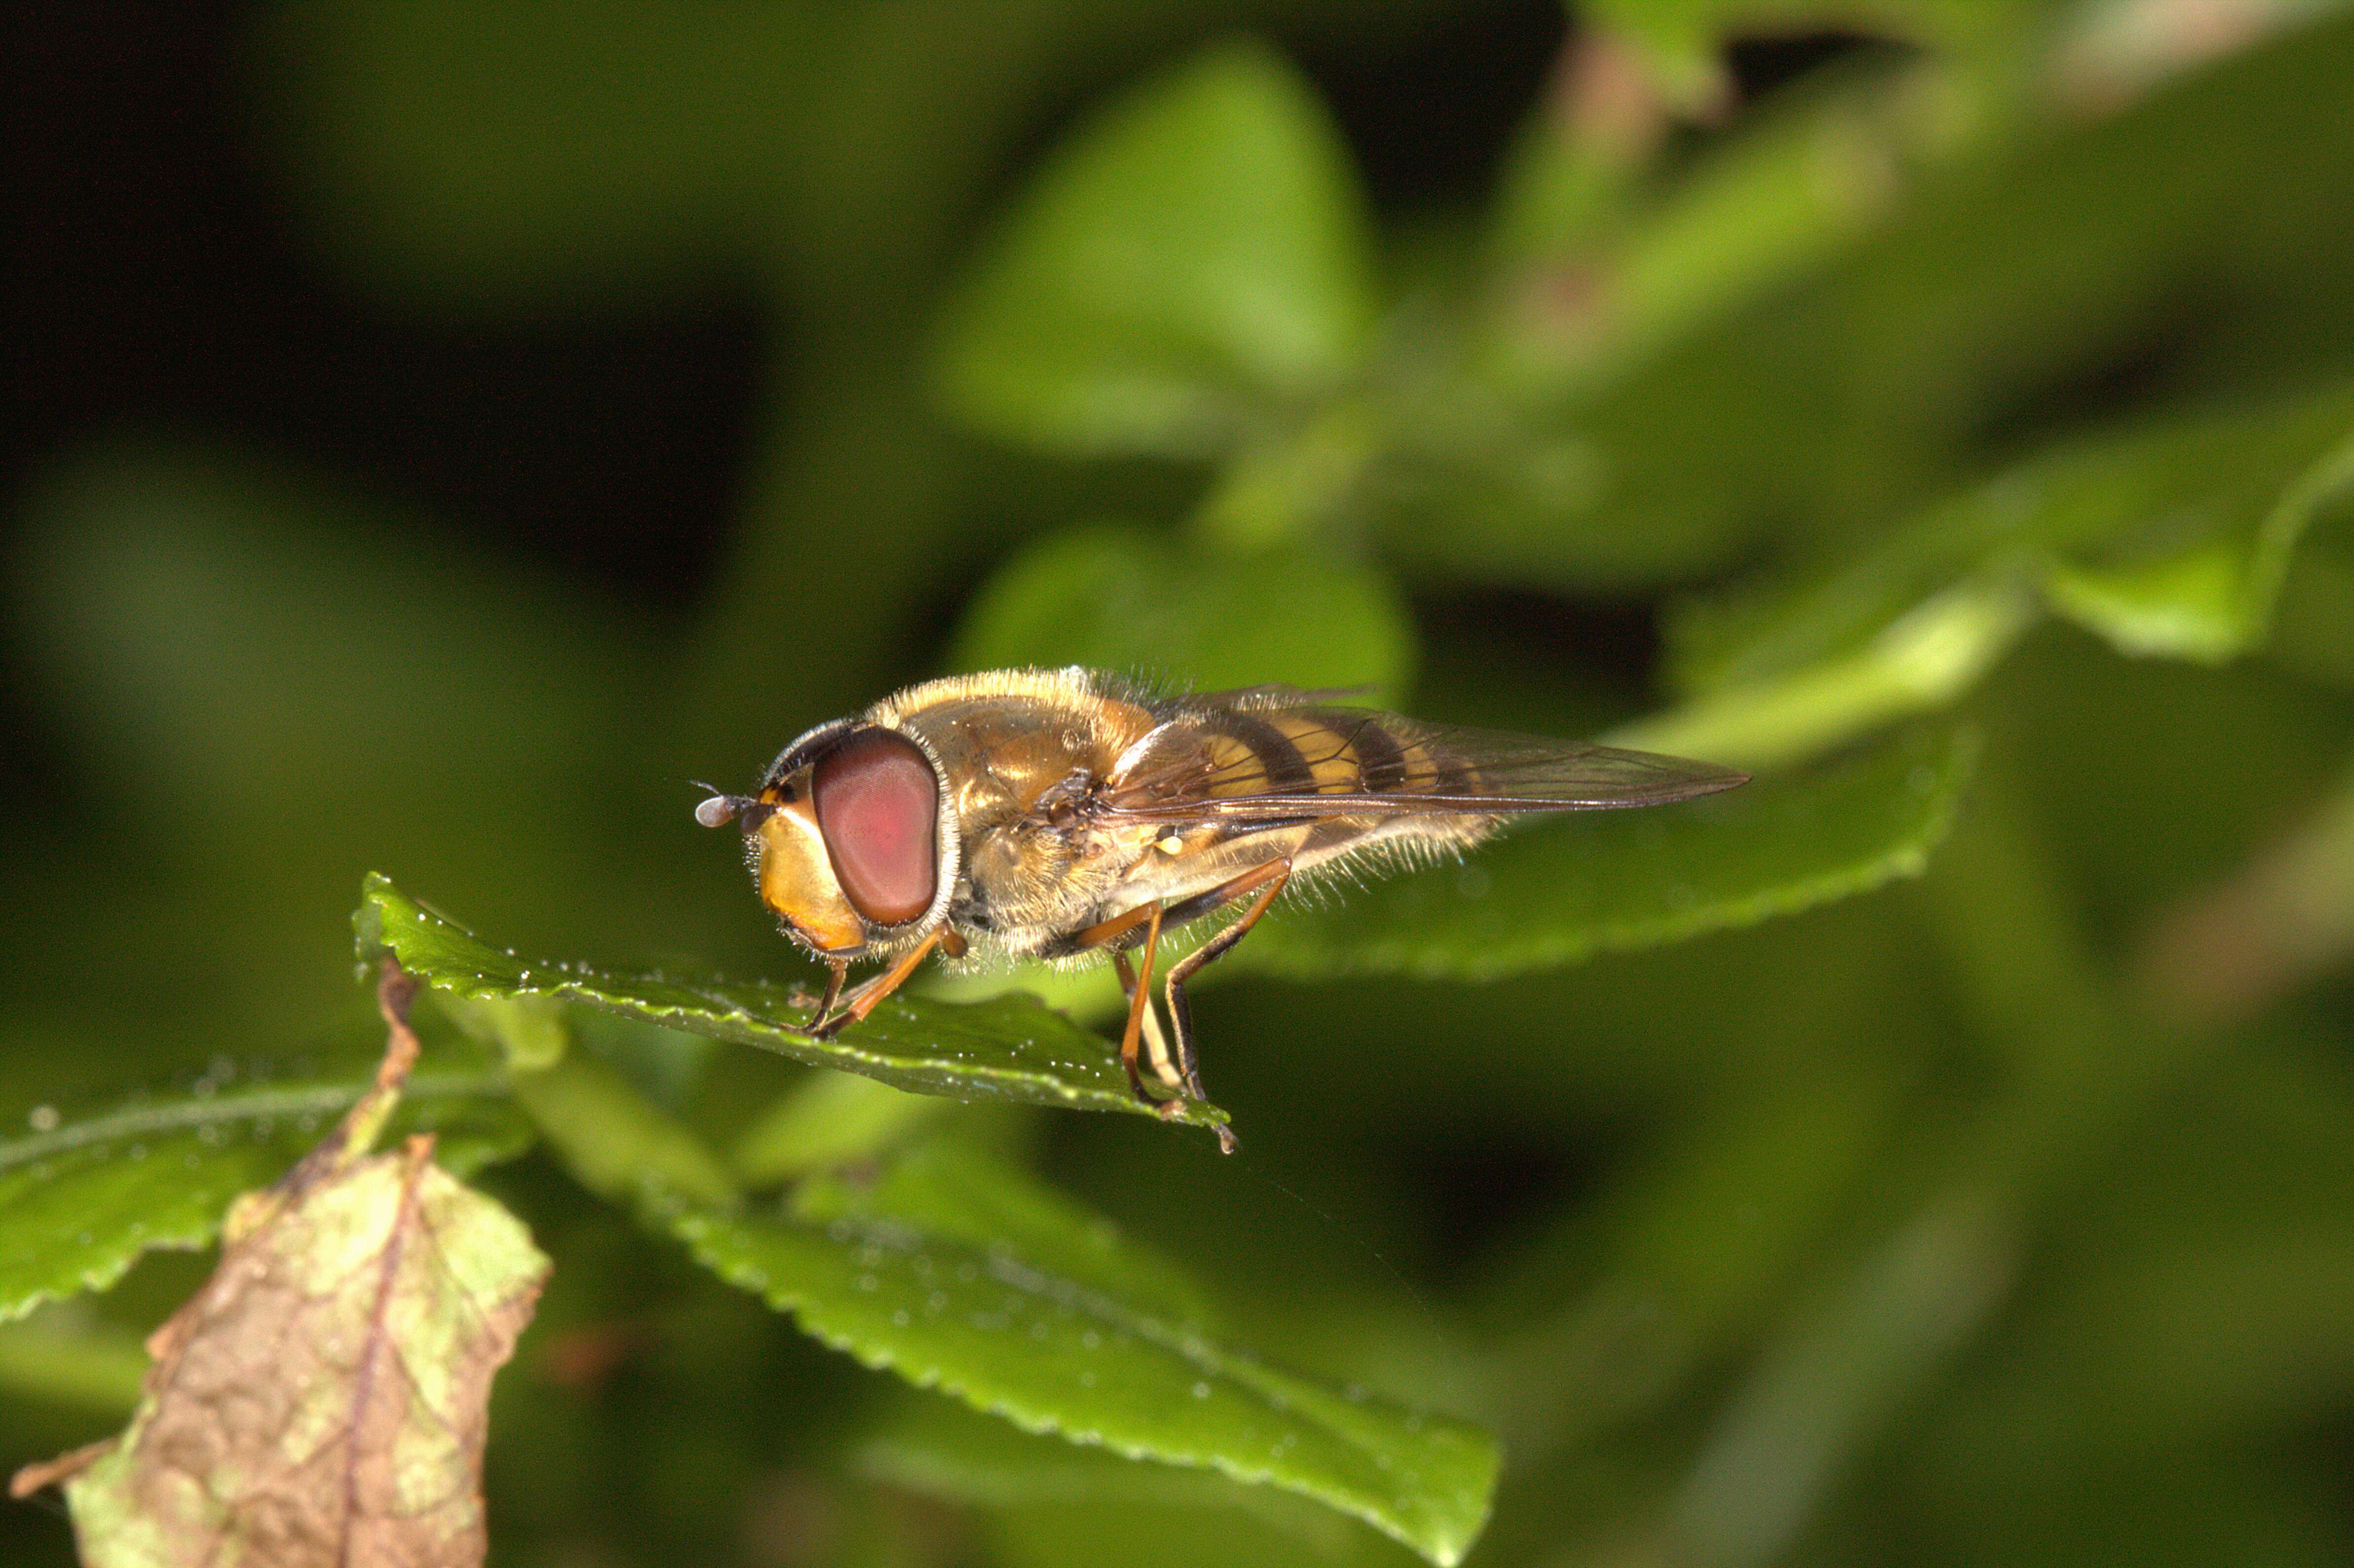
322	1400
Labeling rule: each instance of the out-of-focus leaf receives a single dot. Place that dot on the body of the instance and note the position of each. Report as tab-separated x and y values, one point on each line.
2108	55
1122	599
1074	1341
944	1450
511	154
1683	42
2317	606
1864	389
961	1193
58	1358
1810	1406
1193	264
1559	892
831	1121
529	1031
1006	1048
1683	37
1793	188
1300	486
1689	1260
2262	1321
81	1200
323	1399
248	630
1580	157
2172	540
2211	1290
2226	951
1923	660
614	1140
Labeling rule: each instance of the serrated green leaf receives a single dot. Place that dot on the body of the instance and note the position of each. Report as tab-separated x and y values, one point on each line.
1007	1048
1192	265
1560	892
1121	599
81	1201
1076	1354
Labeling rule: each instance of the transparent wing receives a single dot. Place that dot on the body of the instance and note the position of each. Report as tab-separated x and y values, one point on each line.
1216	760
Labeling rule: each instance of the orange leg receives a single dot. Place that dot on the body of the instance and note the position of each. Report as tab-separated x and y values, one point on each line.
1268	880
865	999
1139	1001
1156	1043
1110	930
1103	933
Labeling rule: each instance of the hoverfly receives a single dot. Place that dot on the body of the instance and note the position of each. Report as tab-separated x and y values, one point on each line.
1060	814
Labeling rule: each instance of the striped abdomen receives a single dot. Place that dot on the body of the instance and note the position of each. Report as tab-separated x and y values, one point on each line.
1274	762
1327	751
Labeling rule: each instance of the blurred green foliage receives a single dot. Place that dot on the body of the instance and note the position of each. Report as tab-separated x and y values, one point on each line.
1936	1150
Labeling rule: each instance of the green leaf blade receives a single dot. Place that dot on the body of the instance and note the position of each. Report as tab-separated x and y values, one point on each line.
1006	1048
1197	259
1071	1352
83	1202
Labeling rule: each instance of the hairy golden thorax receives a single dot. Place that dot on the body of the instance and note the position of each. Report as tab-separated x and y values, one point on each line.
1008	741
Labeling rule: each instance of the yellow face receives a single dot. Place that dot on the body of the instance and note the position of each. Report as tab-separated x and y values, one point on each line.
797	880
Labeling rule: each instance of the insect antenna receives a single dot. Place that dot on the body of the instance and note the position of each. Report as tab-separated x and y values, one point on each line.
722	808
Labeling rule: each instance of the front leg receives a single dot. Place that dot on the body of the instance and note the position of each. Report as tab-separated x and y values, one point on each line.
819	1020
865	999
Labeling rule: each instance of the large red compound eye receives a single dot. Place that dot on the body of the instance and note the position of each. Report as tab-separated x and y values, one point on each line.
878	806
